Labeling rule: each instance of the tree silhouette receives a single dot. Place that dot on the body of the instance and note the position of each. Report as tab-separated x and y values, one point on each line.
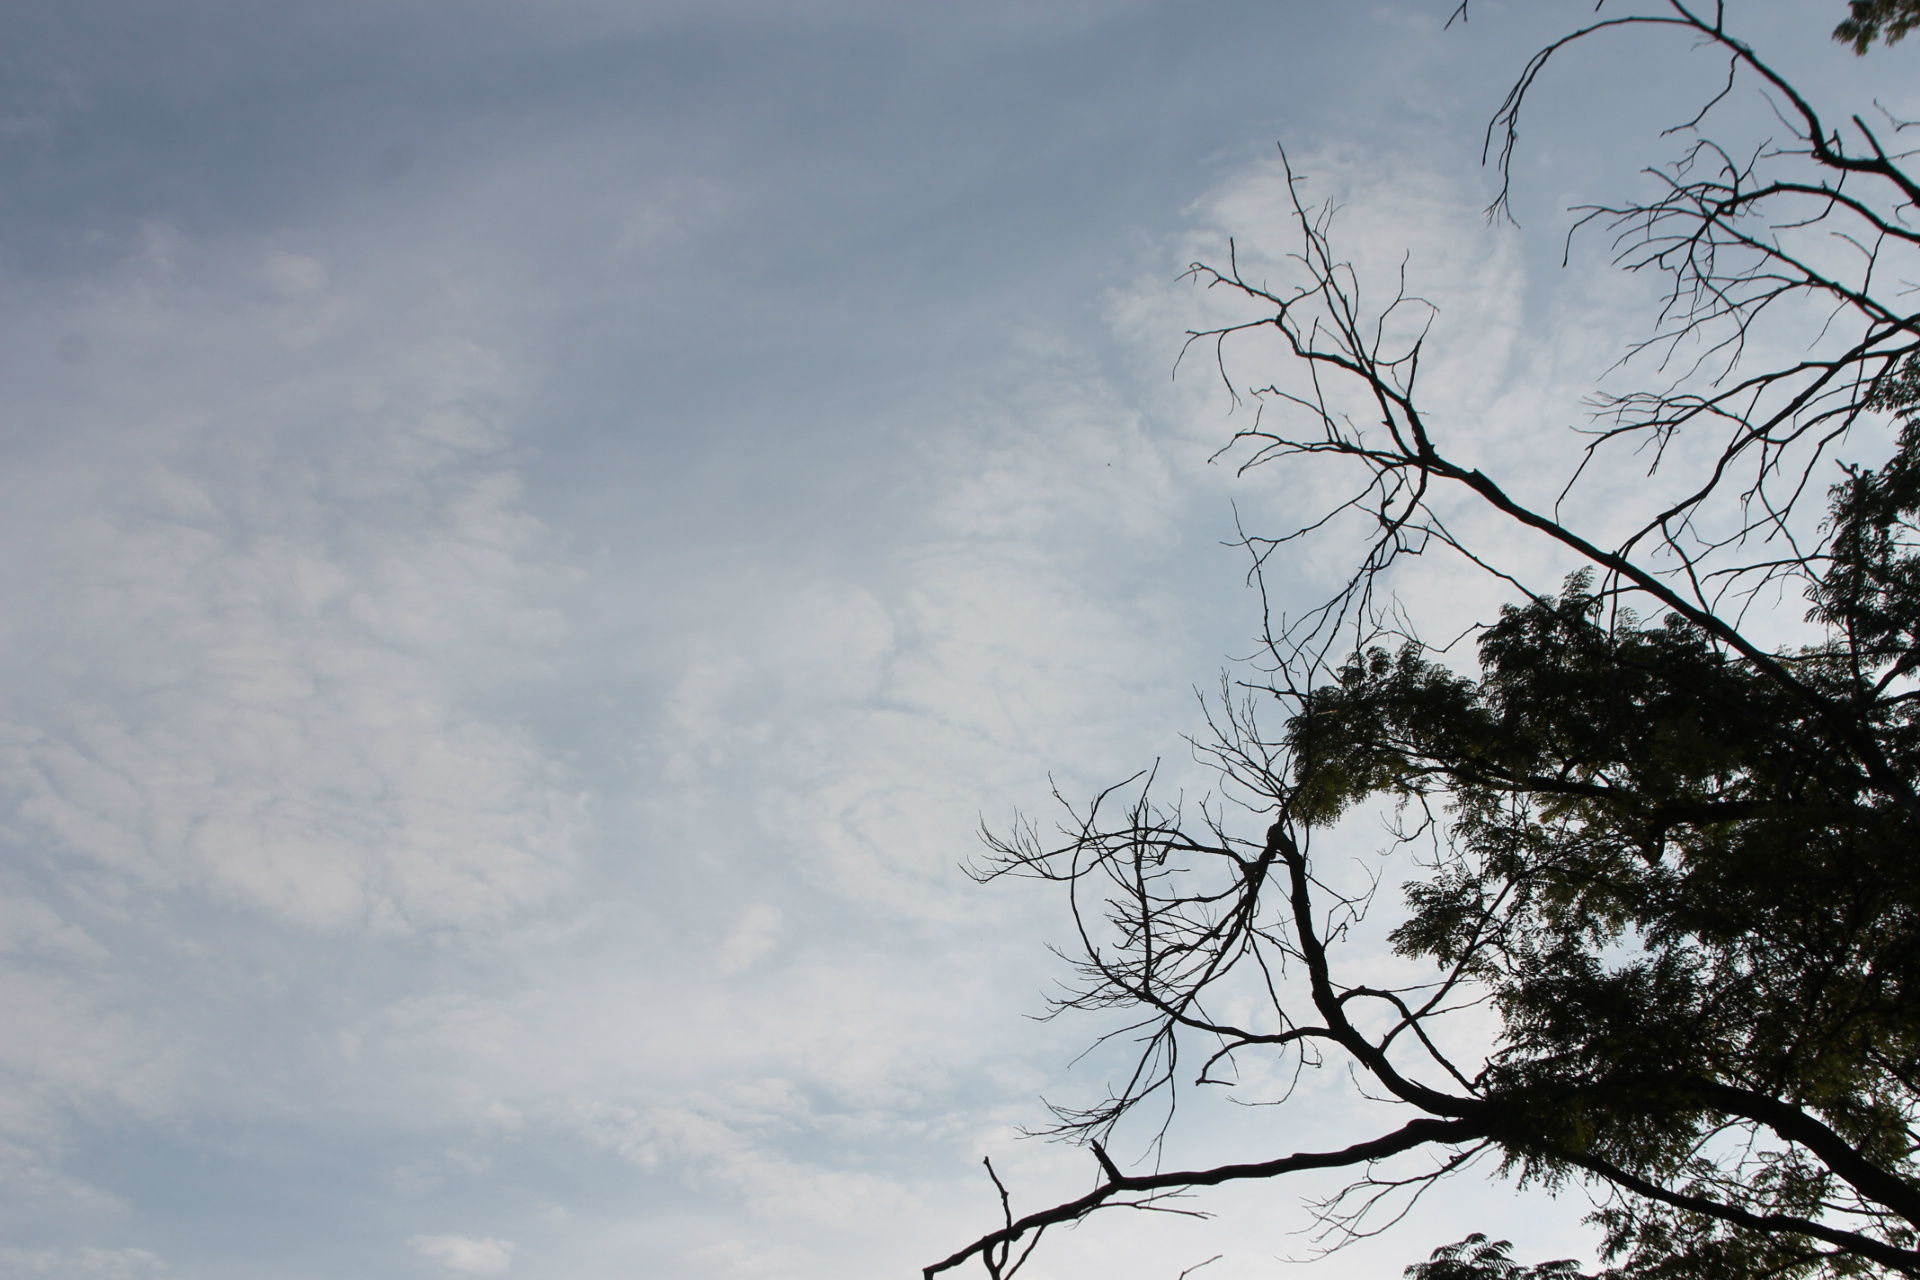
1674	859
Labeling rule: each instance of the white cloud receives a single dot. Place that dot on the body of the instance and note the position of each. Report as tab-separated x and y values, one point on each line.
255	667
83	1264
30	1173
294	275
482	1256
751	940
664	217
732	1142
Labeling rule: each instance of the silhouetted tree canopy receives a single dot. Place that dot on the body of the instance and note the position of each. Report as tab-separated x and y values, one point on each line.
1870	20
1674	855
1478	1258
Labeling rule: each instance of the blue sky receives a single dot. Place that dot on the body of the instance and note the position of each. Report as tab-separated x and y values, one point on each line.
535	533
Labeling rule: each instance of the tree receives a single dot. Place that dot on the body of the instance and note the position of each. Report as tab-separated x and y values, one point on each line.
1478	1258
1676	859
1870	20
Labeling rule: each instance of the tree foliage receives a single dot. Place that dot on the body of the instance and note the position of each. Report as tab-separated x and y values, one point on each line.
1675	860
1870	20
1478	1258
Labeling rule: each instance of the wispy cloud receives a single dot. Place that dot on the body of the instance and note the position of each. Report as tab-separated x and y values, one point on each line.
533	538
484	1256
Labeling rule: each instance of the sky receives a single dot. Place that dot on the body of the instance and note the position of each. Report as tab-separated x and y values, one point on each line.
534	536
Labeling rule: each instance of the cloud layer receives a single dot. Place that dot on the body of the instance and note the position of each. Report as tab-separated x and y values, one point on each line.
535	537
